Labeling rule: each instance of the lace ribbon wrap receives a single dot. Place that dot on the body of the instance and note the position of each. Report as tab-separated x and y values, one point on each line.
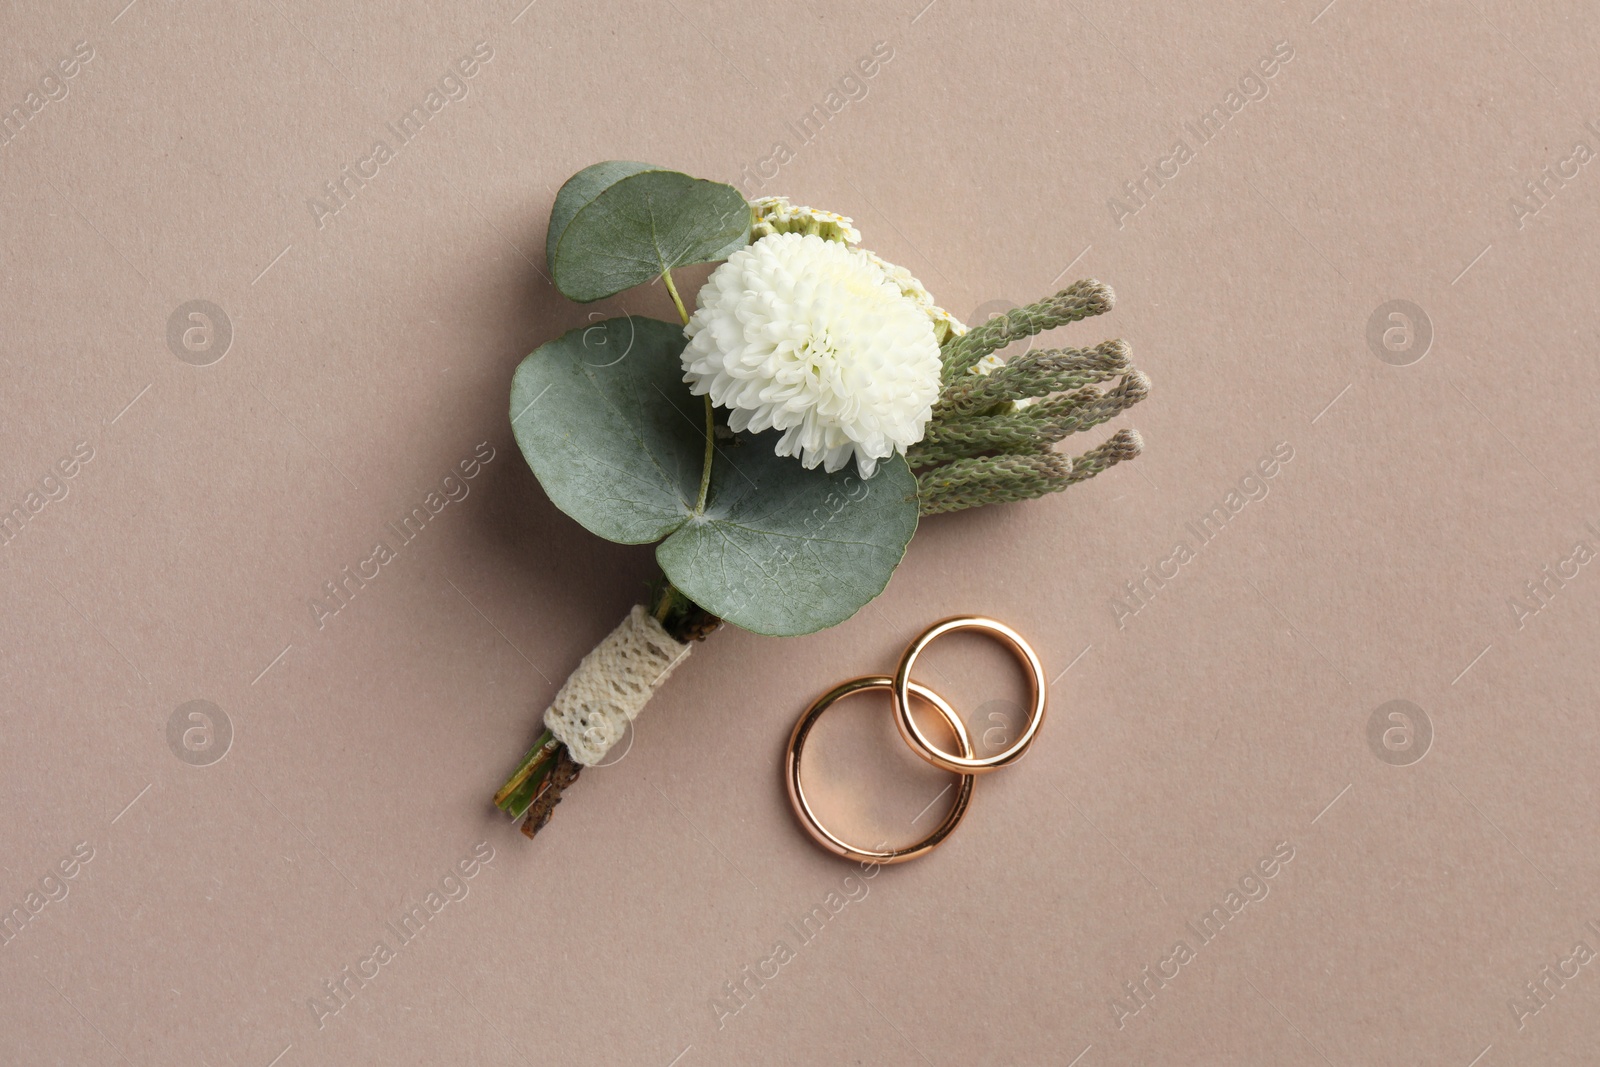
612	685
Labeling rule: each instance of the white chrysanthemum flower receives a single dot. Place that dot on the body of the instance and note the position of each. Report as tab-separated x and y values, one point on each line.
776	214
810	337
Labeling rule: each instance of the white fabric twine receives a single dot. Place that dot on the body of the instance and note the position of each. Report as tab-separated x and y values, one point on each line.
612	685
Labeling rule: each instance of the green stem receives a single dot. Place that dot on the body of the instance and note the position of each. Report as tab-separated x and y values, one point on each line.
682	618
519	790
705	471
711	423
666	276
664	605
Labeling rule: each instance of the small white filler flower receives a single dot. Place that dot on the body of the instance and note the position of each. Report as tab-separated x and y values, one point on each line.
812	337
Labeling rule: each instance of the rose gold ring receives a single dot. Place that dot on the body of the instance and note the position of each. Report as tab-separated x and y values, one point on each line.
904	686
802	808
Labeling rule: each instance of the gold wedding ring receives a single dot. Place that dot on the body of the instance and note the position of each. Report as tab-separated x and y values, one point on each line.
968	764
808	818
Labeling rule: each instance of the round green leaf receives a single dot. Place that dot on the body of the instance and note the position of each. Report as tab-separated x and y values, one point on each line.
605	420
579	192
603	417
617	224
782	550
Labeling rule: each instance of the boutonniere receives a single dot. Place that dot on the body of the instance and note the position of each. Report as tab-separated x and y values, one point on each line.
778	443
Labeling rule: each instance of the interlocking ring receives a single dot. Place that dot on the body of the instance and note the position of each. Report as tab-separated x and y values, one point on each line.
967	765
904	686
797	796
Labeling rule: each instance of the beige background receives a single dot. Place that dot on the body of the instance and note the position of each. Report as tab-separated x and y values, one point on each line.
372	353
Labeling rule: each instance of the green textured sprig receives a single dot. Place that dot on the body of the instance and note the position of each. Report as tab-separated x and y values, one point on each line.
1080	300
1028	429
1033	375
994	430
971	483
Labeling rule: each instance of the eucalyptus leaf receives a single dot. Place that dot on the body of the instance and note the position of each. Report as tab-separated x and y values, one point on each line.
782	550
579	192
618	224
605	420
603	417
